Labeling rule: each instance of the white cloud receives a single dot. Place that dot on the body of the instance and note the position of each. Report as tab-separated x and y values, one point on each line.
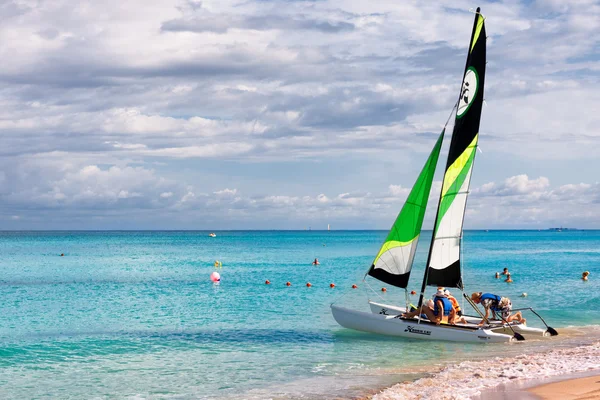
515	185
311	103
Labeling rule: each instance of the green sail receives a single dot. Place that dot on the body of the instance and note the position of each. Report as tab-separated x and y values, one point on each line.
394	260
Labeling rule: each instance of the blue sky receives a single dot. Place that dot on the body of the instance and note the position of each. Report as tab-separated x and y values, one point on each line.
289	114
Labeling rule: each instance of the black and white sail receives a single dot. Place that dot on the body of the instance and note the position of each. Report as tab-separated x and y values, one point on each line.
443	265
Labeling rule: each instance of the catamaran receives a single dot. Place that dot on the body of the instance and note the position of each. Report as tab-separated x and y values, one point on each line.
394	260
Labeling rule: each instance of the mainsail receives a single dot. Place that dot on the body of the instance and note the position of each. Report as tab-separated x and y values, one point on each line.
394	260
443	264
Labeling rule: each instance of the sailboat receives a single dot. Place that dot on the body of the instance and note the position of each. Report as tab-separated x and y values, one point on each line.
393	262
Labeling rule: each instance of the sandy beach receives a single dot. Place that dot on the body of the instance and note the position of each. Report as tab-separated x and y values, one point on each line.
580	386
527	376
572	389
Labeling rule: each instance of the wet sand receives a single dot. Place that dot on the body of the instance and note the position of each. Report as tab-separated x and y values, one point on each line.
572	389
578	386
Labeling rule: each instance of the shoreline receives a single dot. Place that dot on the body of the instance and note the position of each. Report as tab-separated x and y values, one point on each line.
520	376
566	387
587	388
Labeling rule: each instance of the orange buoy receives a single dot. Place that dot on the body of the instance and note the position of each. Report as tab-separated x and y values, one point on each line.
413	292
288	284
383	289
332	285
267	282
354	286
308	284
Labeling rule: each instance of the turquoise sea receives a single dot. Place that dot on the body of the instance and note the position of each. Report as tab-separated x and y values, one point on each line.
135	315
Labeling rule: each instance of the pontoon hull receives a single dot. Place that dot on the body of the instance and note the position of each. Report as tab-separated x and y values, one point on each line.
392	325
386	309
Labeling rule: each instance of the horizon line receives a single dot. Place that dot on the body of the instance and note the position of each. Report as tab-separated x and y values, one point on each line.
284	230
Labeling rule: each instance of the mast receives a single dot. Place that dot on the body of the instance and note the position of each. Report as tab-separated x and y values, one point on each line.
443	260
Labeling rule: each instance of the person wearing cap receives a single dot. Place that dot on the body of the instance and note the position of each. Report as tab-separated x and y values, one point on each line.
495	303
442	310
585	275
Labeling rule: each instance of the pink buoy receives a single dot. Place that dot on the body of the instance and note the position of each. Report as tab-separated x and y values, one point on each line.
215	277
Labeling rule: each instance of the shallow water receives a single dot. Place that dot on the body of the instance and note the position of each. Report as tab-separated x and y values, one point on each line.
127	314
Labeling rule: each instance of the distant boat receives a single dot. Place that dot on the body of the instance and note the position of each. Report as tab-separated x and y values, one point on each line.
394	261
212	234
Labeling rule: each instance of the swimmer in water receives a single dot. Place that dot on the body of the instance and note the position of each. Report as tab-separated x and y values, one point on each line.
584	276
508	279
497	275
316	262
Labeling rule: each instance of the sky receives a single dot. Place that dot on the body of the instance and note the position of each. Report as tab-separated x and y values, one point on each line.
271	114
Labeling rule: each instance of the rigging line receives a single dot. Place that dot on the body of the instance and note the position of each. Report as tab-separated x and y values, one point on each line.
451	112
373	290
344	294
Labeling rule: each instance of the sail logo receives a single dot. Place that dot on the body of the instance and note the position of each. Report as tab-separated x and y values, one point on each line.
468	92
412	329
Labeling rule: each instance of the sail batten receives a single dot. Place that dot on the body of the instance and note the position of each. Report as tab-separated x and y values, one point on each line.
394	260
443	264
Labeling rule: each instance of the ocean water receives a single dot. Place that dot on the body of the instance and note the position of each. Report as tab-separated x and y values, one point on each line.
135	315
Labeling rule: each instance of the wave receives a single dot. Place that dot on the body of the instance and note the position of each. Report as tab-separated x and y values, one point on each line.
467	379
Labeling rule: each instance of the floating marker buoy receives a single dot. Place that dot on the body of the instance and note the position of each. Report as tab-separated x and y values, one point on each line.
383	289
354	286
332	285
215	277
267	282
288	284
413	292
308	284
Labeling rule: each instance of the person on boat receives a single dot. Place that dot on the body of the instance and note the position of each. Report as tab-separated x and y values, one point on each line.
441	312
316	262
508	279
457	309
505	271
584	276
454	302
496	304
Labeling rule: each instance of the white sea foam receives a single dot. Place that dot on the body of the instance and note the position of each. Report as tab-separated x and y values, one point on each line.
469	378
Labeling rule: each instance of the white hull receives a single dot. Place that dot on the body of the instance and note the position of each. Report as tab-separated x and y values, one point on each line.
386	309
392	325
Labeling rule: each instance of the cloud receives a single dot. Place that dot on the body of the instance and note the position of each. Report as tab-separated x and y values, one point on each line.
514	186
119	195
284	104
223	23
